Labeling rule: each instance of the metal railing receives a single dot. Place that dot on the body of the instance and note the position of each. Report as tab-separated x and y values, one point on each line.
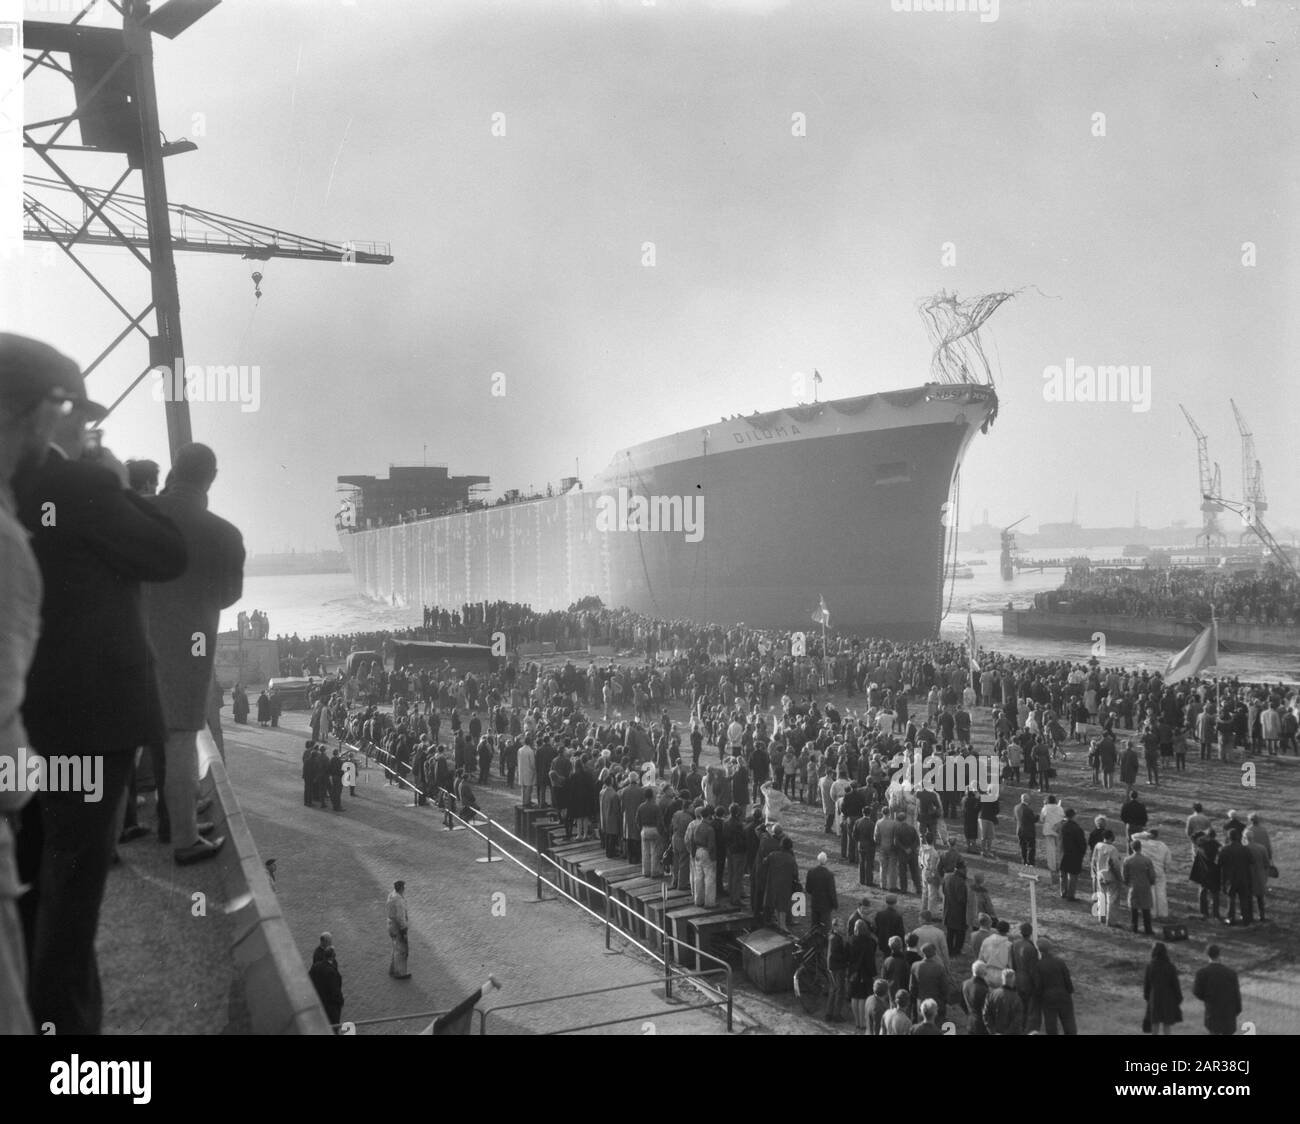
659	1013
349	1026
671	944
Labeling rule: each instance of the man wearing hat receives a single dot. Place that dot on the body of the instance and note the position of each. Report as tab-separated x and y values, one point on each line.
32	397
95	542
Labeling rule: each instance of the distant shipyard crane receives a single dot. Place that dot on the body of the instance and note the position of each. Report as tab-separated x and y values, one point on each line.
1008	559
109	73
1211	533
1250	516
1252	475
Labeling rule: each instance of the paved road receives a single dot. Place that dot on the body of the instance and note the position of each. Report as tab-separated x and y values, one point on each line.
467	919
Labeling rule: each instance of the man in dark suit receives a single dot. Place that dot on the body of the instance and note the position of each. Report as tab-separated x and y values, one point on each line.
889	923
1056	992
92	687
1024	961
35	390
1234	876
1216	986
631	798
181	617
929	978
820	886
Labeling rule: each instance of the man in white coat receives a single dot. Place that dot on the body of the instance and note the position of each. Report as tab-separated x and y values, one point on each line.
1051	817
527	772
398	922
1160	856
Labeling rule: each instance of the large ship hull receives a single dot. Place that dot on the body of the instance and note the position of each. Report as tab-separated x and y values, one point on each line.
842	500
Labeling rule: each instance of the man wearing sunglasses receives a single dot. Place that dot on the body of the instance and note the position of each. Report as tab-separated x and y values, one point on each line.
95	542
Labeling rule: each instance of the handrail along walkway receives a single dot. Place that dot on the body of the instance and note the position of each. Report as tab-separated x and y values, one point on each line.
700	980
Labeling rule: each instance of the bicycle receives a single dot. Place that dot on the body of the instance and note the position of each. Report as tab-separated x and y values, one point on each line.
812	979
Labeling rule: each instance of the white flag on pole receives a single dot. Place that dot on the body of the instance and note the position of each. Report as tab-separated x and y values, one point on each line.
1201	653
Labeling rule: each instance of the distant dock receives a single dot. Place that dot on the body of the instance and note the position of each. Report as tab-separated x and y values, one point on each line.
1154	632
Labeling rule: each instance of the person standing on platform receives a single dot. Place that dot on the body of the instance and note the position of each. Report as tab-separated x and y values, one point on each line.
704	871
32	398
92	687
648	819
737	849
631	798
527	772
398	926
682	819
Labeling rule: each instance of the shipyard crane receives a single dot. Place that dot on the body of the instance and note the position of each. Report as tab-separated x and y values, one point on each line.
107	75
1008	549
1250	516
1252	475
1211	533
192	228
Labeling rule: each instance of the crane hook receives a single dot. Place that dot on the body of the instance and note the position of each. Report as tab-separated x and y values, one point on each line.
257	285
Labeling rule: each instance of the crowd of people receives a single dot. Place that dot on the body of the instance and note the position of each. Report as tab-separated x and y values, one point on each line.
700	802
110	591
253	626
1270	597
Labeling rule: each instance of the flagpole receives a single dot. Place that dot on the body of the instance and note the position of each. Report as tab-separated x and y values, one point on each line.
1218	706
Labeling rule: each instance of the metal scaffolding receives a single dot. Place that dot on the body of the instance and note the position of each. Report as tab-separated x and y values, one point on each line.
110	71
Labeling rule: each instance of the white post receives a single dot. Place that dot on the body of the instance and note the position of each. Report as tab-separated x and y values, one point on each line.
1032	878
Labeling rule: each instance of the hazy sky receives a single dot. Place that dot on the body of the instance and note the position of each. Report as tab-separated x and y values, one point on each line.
672	123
